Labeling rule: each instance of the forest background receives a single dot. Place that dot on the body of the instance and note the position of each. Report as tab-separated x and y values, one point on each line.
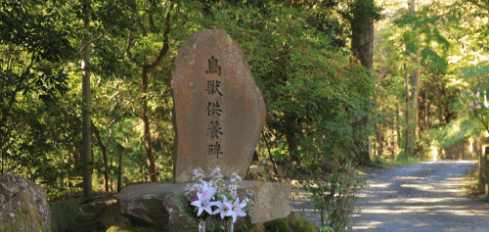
336	88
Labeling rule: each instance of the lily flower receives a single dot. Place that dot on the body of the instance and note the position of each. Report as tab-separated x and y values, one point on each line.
223	209
236	209
203	203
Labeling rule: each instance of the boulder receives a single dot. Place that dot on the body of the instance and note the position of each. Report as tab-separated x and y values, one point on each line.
152	204
23	205
219	109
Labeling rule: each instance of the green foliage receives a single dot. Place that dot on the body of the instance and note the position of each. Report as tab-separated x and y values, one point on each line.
458	130
305	79
297	57
473	101
31	86
339	207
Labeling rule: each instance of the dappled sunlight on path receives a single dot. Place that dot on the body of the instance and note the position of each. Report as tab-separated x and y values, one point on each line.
426	196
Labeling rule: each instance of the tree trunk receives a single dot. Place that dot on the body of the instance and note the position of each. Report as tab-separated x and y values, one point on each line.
122	151
119	178
148	143
141	174
406	116
376	127
362	43
414	95
103	149
426	116
398	129
291	138
77	158
85	66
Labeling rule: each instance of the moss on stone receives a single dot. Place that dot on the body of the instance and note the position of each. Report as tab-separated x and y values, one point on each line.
22	219
256	228
292	223
127	229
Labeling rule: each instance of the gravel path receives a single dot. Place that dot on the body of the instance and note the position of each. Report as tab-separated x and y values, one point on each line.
423	197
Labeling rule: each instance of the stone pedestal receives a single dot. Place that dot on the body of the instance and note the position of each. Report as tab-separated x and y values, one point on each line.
152	204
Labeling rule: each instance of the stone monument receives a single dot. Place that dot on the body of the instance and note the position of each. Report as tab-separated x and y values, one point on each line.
219	110
220	113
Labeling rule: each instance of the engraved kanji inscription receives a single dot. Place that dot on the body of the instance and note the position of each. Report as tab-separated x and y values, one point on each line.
213	87
214	129
213	68
214	149
213	108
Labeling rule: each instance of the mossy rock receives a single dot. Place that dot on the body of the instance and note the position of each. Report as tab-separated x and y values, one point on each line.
24	218
127	229
256	228
292	223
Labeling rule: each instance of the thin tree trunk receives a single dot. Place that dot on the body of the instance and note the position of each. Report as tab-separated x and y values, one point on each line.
141	174
122	151
463	151
406	116
426	117
291	138
414	95
376	128
119	178
77	158
85	66
103	149
148	143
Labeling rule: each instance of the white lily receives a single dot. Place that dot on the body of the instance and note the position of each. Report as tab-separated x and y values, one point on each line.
236	209
203	203
222	208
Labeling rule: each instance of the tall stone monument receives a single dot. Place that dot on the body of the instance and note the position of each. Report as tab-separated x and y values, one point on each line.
220	111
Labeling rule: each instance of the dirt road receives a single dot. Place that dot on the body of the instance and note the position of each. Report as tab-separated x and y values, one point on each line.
423	197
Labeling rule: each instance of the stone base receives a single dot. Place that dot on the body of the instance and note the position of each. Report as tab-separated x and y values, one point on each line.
152	204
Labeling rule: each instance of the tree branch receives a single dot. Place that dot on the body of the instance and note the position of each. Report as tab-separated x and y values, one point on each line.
146	67
97	135
128	46
113	95
150	18
184	21
14	51
141	27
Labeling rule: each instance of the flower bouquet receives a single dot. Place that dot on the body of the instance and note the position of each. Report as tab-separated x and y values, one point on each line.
205	199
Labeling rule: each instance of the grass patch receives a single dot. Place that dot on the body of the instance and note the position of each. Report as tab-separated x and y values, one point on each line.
401	160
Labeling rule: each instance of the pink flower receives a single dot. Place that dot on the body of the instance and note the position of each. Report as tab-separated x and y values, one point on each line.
196	198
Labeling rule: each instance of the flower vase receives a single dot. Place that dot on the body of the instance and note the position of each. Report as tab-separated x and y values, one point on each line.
201	226
231	226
